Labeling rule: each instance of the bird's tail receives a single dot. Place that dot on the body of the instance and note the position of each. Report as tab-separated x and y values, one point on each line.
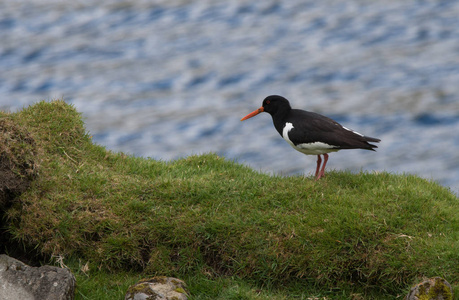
371	139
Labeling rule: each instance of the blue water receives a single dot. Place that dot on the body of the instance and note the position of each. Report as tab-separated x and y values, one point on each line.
173	78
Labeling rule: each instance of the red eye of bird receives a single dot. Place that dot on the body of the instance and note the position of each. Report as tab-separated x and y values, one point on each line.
267	101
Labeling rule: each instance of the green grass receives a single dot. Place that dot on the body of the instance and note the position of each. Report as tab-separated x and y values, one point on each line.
228	231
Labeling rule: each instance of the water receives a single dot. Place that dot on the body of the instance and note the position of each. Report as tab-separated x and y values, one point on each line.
167	79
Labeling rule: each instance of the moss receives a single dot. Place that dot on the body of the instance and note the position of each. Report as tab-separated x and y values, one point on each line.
422	293
143	288
439	288
156	279
177	282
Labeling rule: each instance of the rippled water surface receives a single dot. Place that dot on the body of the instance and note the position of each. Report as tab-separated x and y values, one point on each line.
166	79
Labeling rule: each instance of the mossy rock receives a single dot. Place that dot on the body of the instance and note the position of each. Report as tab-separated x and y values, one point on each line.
431	289
158	288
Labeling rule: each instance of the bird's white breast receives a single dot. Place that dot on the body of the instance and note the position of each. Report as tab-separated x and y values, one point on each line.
288	126
314	148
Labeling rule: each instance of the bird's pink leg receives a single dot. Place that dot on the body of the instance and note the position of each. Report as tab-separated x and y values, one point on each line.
319	161
322	171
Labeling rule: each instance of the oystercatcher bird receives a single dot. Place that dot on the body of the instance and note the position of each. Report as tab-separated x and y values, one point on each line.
311	133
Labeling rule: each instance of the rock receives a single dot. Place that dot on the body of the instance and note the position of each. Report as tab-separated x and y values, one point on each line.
158	288
431	289
20	281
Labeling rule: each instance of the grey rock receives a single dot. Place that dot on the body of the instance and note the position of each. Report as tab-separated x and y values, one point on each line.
20	281
435	288
158	288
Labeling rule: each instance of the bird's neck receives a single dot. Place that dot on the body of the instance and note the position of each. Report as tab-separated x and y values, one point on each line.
279	119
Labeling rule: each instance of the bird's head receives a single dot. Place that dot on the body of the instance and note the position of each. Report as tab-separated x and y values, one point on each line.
271	104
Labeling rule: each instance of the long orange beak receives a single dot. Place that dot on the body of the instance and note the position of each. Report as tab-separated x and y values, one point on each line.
253	113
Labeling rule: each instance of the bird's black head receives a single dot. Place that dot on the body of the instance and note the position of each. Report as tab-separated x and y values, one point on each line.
274	104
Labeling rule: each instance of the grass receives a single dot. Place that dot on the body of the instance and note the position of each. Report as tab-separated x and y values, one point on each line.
228	231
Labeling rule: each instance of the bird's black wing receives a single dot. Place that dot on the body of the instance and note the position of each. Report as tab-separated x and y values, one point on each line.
311	127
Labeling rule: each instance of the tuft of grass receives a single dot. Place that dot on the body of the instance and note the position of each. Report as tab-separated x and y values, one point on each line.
230	232
18	159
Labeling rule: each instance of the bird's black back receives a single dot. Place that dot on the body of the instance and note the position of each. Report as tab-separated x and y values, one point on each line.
310	127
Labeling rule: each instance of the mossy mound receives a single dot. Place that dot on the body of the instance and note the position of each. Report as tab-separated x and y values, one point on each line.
373	233
18	159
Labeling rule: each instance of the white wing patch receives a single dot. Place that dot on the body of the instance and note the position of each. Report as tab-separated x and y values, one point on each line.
315	148
288	126
353	131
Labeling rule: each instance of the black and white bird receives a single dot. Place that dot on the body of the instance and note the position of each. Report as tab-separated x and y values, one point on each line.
311	133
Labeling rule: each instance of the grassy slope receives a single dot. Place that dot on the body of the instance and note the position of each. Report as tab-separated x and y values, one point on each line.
229	231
